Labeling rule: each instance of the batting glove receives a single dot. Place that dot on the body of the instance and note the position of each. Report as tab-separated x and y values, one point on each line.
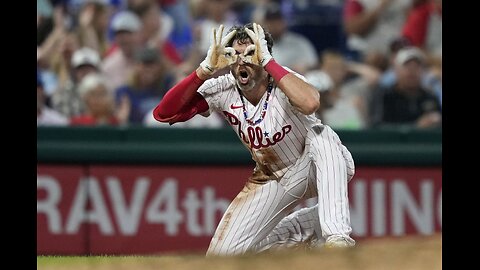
219	56
257	53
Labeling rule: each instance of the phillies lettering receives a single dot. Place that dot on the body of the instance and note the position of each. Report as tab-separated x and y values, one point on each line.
255	138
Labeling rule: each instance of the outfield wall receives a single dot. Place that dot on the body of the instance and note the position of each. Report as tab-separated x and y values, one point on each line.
148	190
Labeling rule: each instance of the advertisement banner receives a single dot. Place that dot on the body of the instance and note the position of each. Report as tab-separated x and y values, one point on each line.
387	201
56	232
156	209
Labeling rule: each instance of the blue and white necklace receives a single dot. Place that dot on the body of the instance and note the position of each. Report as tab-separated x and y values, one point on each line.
264	107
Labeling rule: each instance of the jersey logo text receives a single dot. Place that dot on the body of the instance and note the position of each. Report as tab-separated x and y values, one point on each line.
255	138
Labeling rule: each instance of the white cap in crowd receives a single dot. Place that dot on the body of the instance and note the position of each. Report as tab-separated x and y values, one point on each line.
85	56
408	53
126	21
90	82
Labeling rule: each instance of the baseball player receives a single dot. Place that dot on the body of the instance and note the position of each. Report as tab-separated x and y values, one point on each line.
272	110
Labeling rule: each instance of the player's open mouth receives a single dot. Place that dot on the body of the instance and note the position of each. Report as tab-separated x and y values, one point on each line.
244	76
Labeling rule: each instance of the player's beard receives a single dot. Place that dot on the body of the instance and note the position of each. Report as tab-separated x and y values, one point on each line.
248	77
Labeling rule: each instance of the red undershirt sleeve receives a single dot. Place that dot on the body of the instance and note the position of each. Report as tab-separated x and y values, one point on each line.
182	101
197	105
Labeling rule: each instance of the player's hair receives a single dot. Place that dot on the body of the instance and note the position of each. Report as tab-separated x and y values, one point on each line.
243	37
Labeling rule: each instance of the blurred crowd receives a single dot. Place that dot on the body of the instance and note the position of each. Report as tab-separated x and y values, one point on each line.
375	63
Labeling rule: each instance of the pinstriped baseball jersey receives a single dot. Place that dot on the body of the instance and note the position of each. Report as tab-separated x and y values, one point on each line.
304	158
278	140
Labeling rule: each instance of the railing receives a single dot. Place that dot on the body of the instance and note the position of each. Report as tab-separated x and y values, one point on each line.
142	145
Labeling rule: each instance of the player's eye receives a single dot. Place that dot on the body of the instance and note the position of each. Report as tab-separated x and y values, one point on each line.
250	52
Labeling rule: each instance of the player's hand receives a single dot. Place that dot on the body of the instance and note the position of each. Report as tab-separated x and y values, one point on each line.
257	53
219	56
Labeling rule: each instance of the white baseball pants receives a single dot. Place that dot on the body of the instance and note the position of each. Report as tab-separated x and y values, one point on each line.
260	216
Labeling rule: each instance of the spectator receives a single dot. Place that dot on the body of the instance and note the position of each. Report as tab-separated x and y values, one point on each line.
118	64
388	77
99	103
54	49
206	15
45	22
338	108
407	102
291	49
148	83
47	116
431	79
211	14
182	32
92	29
156	29
423	27
67	99
371	25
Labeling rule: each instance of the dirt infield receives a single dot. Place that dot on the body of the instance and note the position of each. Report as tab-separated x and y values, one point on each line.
412	253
